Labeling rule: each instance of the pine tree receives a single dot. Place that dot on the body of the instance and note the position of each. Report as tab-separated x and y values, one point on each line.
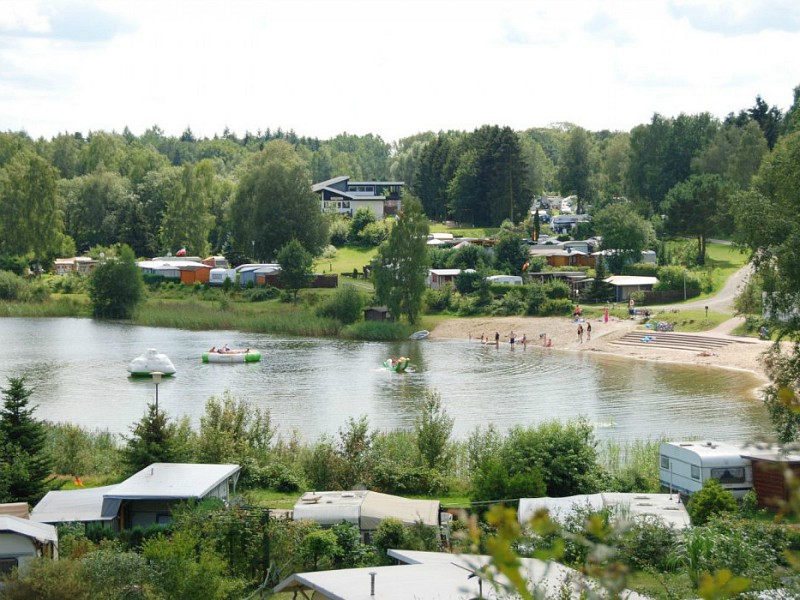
27	466
600	291
153	440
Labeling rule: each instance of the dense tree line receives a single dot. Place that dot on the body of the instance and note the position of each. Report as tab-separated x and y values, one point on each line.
231	193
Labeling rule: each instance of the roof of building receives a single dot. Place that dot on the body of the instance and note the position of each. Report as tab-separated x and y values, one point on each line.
447	272
554	251
318	187
666	507
626	280
173	480
39	531
429	575
62	506
171	264
365	508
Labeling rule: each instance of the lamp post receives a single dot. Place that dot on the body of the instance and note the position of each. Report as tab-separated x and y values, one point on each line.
156	375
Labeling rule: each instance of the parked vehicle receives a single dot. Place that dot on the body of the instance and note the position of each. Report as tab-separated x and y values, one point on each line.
685	466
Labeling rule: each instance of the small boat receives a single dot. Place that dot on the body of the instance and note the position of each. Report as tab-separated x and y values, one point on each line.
398	365
419	335
149	362
231	356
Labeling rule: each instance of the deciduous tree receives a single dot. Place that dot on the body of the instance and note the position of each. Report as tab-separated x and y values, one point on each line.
401	264
296	267
274	204
116	286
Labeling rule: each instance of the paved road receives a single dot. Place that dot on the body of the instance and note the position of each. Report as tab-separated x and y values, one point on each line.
723	301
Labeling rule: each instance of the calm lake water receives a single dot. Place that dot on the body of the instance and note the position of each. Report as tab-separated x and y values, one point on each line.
78	369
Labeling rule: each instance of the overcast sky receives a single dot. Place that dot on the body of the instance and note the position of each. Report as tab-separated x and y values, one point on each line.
391	68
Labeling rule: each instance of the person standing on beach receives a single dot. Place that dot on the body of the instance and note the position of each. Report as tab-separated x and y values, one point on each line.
588	332
497	338
524	341
605	315
512	337
580	332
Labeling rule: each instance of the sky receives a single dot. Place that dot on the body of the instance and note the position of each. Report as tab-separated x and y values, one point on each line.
386	67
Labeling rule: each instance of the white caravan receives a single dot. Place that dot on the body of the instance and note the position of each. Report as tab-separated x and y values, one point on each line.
685	466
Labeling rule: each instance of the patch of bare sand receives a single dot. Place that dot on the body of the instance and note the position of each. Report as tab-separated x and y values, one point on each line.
742	354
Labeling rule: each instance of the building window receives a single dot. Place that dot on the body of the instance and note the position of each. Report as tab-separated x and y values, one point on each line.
6	564
696	472
728	474
664	462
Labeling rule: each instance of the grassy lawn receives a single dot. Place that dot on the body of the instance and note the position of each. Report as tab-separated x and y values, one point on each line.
689	320
346	259
477	232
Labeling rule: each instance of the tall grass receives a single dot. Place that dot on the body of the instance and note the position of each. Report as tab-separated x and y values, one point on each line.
199	316
55	307
632	465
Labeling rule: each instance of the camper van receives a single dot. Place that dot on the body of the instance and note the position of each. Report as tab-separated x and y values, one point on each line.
685	466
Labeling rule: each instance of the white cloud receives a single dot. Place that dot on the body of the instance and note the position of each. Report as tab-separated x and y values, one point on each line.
382	66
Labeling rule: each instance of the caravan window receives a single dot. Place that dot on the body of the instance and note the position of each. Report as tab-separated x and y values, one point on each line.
664	462
696	472
728	474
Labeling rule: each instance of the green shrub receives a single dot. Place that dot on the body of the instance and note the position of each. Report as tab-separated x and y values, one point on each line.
560	307
468	282
391	533
535	299
407	480
647	544
557	290
512	303
640	269
11	286
345	305
261	294
275	476
712	500
438	300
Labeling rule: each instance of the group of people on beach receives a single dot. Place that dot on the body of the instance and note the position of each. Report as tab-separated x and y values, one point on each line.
513	339
587	331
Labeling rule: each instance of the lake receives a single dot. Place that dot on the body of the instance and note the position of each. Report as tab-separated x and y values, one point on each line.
78	369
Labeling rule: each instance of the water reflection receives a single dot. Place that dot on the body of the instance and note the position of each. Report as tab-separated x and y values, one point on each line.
78	368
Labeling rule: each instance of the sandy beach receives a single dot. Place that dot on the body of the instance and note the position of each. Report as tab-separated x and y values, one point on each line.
741	354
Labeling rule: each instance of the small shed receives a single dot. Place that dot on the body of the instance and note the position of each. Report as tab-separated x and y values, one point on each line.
769	476
438	278
377	313
625	285
22	541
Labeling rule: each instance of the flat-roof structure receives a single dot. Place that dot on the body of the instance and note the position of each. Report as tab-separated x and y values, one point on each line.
667	507
364	508
434	576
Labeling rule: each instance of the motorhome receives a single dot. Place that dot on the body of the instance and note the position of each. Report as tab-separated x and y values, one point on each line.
685	466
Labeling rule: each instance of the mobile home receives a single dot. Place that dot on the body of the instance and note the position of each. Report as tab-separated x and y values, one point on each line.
685	466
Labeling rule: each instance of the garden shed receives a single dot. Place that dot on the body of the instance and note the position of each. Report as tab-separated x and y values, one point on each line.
769	476
377	313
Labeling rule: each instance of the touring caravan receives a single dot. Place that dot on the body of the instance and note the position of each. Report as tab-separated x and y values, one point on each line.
217	276
685	466
506	279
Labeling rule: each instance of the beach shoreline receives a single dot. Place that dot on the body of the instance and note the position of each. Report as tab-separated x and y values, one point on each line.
742	354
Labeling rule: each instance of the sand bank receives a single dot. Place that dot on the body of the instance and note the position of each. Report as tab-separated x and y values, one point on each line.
741	354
